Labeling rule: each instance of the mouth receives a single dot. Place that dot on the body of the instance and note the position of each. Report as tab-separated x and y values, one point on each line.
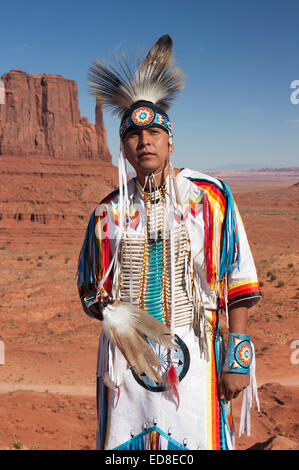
146	154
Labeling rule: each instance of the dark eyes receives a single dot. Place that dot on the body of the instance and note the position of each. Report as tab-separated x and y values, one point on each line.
132	134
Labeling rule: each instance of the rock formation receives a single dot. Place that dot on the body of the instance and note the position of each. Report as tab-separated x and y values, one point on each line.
41	117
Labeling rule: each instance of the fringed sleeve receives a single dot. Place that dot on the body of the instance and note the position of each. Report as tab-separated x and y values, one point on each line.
230	268
93	262
230	248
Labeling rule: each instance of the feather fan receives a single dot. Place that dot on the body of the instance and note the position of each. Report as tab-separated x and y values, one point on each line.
156	79
128	326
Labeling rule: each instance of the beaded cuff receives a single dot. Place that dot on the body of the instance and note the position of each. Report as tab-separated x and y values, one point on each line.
238	354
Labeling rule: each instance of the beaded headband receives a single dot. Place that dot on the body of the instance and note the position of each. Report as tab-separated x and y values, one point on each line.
143	115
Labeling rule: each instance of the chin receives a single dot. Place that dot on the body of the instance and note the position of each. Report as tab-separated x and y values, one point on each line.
147	167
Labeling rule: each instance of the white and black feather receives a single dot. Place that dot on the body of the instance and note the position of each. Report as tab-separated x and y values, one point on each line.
128	326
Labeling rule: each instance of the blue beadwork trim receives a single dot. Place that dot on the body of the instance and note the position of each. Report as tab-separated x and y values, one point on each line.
218	348
136	443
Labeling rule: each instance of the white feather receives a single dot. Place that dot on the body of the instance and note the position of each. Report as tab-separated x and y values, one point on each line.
119	317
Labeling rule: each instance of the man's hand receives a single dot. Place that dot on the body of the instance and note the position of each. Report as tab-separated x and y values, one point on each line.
231	384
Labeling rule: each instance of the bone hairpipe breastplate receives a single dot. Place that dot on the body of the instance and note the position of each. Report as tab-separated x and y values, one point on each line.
145	271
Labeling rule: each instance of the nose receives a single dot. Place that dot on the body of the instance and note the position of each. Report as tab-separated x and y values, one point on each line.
144	138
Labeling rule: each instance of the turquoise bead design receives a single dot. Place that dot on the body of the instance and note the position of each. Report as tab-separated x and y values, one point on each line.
153	298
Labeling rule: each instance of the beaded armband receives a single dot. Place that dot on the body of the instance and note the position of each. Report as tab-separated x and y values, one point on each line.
238	354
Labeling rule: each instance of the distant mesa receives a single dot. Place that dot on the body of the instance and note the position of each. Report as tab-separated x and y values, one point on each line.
287	168
40	116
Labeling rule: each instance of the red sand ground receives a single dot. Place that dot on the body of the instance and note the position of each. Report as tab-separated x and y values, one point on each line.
47	385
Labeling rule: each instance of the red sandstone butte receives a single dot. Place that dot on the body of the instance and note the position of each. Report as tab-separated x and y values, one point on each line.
41	117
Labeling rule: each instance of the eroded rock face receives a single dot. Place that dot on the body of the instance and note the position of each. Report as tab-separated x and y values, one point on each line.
41	116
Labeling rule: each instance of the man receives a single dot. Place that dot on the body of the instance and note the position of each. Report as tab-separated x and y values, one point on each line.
163	257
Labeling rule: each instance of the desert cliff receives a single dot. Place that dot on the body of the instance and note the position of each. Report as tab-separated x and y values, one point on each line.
41	117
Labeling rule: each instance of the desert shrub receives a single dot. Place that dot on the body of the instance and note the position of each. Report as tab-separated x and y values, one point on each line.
280	284
273	277
17	444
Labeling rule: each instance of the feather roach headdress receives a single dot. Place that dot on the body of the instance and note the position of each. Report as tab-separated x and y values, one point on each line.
156	83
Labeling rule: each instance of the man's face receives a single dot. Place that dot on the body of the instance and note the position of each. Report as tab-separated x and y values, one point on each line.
147	150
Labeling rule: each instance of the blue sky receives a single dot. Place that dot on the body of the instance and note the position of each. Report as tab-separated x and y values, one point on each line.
239	58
